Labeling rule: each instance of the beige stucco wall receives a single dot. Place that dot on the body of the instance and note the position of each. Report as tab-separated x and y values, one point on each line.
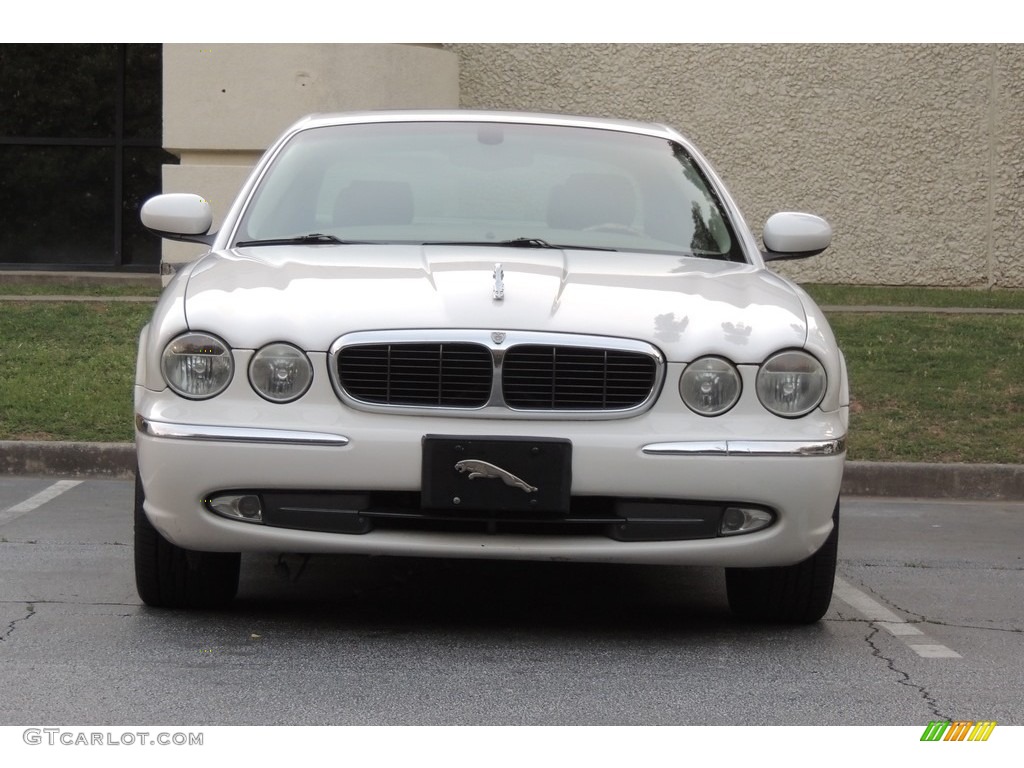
224	104
915	153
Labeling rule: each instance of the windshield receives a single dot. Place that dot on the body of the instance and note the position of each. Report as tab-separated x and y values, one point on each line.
488	184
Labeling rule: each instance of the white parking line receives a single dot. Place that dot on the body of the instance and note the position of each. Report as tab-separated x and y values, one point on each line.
878	614
868	608
34	502
935	651
899	628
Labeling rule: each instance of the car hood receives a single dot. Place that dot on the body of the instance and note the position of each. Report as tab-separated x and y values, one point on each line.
311	295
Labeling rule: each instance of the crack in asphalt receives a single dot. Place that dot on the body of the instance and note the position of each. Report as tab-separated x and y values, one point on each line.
1011	630
920	618
904	678
12	625
957	565
935	623
69	602
885	601
55	543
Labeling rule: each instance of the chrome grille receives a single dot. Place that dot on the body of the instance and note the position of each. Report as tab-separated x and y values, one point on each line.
536	376
426	374
503	374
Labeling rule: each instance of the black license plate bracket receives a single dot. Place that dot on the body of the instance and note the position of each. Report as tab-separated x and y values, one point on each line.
496	474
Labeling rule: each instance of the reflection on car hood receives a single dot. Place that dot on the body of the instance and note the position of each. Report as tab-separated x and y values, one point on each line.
310	295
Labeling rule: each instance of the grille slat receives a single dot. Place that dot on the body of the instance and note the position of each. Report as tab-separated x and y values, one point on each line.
576	378
535	377
428	375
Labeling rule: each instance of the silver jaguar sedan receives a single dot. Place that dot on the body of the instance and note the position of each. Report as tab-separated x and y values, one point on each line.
472	334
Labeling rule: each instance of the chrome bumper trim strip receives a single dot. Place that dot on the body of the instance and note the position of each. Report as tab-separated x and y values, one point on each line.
749	448
236	434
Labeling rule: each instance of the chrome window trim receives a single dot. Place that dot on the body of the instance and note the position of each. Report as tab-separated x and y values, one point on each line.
498	342
256	435
776	448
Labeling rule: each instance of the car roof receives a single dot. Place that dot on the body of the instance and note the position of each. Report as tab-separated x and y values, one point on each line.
478	115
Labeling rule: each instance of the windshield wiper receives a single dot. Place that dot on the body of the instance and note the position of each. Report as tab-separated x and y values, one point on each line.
522	242
312	239
527	242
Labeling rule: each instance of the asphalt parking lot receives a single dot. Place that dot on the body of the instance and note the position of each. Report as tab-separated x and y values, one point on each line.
926	624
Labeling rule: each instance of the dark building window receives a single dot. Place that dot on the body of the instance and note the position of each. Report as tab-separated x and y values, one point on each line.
80	150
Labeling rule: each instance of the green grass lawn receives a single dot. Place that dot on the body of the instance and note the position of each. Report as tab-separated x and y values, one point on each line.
925	387
935	387
76	289
66	370
914	296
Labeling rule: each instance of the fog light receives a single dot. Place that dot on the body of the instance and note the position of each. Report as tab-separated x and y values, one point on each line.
744	520
238	506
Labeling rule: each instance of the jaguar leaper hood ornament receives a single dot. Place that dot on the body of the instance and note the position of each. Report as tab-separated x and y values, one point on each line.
498	294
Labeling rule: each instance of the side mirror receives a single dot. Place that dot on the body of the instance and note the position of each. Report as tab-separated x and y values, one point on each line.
791	235
178	216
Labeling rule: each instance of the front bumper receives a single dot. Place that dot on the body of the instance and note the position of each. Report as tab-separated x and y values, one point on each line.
182	462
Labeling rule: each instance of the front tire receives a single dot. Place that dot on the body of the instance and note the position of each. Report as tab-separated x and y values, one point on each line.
169	576
793	594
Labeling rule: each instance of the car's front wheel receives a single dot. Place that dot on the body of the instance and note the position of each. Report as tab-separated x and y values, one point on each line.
168	576
793	594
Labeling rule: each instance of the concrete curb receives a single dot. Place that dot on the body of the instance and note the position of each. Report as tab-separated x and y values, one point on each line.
45	277
976	482
31	457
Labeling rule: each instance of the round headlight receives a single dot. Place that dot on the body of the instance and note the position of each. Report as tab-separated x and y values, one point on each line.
791	384
710	386
197	365
280	373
